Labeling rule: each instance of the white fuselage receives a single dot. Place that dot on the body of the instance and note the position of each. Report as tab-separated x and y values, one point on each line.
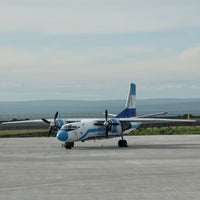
87	130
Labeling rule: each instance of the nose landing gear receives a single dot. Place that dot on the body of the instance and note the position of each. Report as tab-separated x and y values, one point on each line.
68	145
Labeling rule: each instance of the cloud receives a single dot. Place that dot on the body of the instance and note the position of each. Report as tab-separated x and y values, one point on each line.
55	46
191	55
59	73
75	17
95	65
12	57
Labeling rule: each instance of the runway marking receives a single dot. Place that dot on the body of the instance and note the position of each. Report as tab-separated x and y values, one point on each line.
92	180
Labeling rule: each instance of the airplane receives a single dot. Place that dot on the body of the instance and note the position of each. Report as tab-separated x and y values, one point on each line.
73	130
104	128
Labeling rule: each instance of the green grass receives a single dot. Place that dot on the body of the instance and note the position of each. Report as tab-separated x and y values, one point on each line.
188	130
24	133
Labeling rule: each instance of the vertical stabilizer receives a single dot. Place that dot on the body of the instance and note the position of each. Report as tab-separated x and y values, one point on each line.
130	109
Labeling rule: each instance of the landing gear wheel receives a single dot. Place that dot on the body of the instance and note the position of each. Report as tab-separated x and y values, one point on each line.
122	143
69	145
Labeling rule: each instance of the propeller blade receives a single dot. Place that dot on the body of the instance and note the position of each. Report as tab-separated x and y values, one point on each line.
55	117
106	122
106	115
46	121
53	125
50	131
106	132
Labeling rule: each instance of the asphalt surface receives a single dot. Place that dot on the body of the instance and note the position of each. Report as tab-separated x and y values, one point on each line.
152	167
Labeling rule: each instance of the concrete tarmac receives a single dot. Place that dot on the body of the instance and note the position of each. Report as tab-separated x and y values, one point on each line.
152	167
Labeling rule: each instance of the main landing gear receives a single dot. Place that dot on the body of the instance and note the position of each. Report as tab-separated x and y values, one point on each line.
122	143
68	145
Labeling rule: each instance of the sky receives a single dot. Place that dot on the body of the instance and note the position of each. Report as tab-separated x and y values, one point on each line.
93	49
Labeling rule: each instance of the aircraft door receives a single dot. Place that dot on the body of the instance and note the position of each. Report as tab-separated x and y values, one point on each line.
82	130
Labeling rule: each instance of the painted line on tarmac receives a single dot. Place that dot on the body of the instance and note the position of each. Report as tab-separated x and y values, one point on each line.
92	180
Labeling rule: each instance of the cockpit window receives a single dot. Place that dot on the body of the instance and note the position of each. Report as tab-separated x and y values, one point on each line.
70	127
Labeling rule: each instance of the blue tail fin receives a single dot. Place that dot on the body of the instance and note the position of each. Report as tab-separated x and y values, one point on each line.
130	109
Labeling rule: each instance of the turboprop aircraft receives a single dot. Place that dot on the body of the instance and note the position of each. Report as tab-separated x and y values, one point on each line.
117	126
70	131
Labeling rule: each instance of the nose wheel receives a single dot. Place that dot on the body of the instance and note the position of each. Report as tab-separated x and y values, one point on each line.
68	145
122	143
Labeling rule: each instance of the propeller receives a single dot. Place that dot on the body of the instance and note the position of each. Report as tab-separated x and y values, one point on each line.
108	123
53	124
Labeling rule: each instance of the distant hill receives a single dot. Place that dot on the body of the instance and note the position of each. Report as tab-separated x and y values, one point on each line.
70	108
172	106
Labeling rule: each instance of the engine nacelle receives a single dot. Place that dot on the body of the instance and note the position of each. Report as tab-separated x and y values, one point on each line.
115	125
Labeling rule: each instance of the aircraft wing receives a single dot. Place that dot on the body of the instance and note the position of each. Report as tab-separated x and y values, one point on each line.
152	115
23	121
153	120
67	120
146	121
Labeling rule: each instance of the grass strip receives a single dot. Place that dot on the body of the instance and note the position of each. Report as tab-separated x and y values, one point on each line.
185	130
24	133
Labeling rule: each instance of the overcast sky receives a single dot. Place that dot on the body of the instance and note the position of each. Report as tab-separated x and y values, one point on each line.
93	49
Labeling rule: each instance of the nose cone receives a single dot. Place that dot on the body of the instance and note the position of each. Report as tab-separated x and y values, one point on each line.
62	135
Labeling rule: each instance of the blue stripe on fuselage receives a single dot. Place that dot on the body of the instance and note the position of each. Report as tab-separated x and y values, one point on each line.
92	130
85	136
